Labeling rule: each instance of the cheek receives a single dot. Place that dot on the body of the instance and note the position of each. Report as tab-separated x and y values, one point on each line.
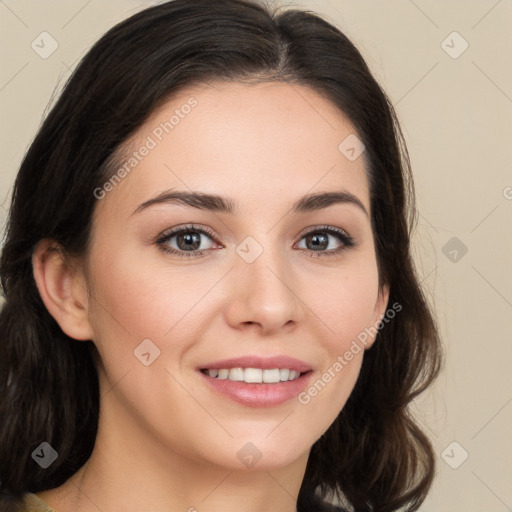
346	304
139	295
347	309
135	299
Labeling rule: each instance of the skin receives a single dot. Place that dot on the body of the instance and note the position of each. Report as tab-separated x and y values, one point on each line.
166	441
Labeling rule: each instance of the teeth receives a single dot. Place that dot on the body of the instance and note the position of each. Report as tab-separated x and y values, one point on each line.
236	374
271	376
254	375
223	374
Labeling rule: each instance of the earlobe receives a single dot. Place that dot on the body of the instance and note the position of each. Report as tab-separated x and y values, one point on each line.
61	290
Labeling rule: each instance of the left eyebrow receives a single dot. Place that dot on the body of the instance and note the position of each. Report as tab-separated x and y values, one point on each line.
216	203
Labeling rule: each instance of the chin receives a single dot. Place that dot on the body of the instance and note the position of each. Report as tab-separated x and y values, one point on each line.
257	453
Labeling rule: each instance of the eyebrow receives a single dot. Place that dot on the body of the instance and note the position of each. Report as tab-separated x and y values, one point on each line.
216	203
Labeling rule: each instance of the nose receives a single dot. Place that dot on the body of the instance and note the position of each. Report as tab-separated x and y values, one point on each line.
263	295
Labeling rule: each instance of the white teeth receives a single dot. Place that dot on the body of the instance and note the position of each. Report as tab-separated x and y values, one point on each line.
271	376
254	375
236	374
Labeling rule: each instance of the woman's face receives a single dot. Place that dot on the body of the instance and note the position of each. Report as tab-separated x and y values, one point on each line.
268	285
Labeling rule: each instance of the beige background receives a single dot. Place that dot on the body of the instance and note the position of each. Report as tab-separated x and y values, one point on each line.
456	114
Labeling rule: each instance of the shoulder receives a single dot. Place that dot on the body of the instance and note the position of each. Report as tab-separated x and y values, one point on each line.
32	503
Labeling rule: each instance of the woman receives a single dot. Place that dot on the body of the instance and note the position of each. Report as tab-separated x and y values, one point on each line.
210	298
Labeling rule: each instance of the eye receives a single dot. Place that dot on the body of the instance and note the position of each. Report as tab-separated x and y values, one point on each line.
185	241
319	240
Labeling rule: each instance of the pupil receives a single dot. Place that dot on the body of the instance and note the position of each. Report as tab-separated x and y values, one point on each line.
315	241
189	239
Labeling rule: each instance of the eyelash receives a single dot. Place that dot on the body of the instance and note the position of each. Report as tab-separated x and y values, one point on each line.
347	241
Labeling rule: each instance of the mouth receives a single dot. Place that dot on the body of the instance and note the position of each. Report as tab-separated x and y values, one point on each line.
257	382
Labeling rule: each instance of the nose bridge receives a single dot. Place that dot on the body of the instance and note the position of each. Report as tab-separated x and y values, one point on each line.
264	286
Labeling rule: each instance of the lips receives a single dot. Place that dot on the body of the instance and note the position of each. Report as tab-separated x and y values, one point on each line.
257	382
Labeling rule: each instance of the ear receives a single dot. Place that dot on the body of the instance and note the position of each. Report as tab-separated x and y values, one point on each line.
379	312
62	289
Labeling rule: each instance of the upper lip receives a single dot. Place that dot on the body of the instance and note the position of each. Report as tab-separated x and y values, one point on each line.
265	363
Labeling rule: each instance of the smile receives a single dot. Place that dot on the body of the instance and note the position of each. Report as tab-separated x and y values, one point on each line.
255	381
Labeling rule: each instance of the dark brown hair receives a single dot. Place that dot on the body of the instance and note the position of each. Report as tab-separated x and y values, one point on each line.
374	456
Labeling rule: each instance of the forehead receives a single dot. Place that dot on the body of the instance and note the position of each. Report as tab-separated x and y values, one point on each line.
269	141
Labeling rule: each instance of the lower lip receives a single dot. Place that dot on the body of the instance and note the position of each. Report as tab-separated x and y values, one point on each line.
259	395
